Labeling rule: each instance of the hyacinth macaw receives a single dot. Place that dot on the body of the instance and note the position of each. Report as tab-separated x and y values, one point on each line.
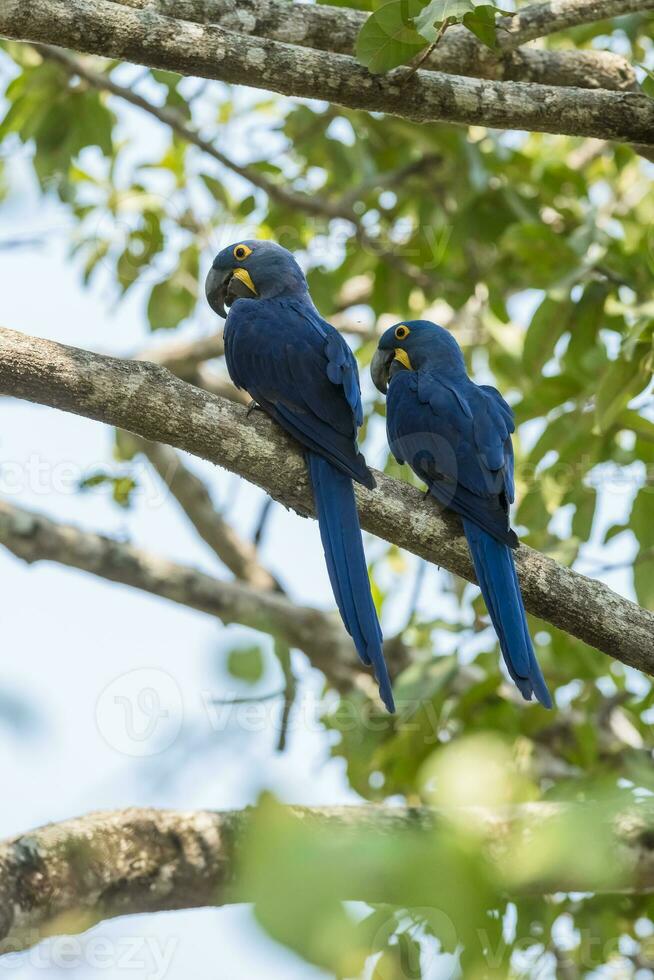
299	369
456	436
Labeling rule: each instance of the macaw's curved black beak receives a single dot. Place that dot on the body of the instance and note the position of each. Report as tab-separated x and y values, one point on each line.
223	286
380	367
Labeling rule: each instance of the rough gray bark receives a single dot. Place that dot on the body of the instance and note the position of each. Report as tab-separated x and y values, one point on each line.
110	864
112	30
151	402
186	359
459	53
33	537
144	860
538	19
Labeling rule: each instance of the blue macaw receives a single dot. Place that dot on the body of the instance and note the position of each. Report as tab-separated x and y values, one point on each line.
299	369
456	436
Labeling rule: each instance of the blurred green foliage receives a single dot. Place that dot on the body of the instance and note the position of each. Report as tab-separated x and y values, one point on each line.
246	664
538	253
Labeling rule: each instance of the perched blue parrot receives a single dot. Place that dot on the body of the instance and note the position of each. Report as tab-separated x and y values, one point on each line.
299	369
456	436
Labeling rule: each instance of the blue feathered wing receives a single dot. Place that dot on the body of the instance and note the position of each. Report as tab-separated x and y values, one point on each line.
299	369
456	436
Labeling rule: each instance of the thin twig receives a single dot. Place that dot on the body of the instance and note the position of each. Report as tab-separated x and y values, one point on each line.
419	61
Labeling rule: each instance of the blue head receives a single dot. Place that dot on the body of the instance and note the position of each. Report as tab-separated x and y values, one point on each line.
252	269
412	345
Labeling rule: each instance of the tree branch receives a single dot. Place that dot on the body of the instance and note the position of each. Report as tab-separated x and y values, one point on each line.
33	537
186	359
540	19
109	864
112	30
458	53
151	402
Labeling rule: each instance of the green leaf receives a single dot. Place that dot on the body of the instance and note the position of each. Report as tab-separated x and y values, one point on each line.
246	664
439	11
644	582
622	380
634	422
582	521
216	188
477	15
95	480
548	324
420	682
537	254
122	490
585	356
122	487
482	24
168	306
640	333
640	521
61	121
97	253
647	86
388	38
174	299
298	871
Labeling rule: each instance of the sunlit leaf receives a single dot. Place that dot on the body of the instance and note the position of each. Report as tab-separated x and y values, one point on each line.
388	38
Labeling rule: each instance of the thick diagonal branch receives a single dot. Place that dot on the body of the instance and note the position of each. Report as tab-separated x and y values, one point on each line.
110	864
186	359
459	53
112	30
151	402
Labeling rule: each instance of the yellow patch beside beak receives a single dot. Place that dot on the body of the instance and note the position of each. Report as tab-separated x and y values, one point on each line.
246	278
403	358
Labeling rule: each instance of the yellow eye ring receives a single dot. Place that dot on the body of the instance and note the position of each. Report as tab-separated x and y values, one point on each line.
241	252
402	331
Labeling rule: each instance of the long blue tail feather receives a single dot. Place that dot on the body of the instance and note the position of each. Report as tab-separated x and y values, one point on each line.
346	564
499	586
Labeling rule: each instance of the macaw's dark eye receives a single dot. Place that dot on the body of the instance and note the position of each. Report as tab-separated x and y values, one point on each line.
241	252
402	332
